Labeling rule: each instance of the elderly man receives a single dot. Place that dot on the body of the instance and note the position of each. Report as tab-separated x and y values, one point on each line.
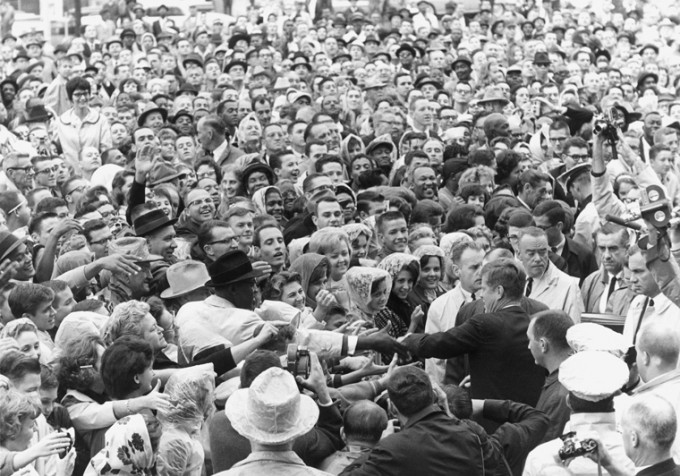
546	283
592	379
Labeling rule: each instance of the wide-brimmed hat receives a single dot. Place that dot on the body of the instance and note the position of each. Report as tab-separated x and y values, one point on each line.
236	38
301	61
423	80
236	62
162	172
568	177
193	58
184	277
645	75
231	267
373	83
493	95
379	141
271	411
152	221
406	47
38	113
260	71
541	57
180	113
462	59
135	247
258	167
142	117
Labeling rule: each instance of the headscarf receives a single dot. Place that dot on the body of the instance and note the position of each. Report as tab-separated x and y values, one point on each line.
360	280
305	266
104	175
296	247
127	450
191	398
429	250
394	263
241	131
355	230
448	241
77	324
10	329
260	197
344	147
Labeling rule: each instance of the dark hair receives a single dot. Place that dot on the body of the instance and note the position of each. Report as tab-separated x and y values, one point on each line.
410	390
77	84
49	204
364	421
273	287
481	157
387	217
77	361
48	377
553	211
205	231
212	164
93	225
462	218
328	159
460	403
506	162
408	158
125	358
15	365
256	363
507	273
25	298
264	226
425	210
35	225
533	178
466	191
552	325
276	159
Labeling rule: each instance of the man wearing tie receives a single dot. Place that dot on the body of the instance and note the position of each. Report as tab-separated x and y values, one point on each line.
650	301
467	257
546	283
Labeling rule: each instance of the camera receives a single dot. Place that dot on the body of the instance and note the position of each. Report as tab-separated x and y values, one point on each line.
573	447
298	361
656	208
71	437
606	127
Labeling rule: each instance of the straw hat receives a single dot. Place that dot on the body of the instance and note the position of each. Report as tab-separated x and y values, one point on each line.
271	411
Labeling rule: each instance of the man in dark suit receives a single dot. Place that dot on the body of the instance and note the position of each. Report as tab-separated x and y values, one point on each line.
552	218
430	442
648	428
501	366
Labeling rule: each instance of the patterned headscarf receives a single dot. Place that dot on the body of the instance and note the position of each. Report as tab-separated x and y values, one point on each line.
396	262
447	242
127	450
360	280
355	230
260	197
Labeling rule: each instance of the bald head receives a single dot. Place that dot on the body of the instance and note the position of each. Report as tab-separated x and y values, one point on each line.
658	337
364	421
498	253
652	419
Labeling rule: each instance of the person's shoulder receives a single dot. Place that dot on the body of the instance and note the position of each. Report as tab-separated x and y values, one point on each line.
577	248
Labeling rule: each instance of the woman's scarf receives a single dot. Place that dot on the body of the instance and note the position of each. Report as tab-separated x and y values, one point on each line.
127	450
394	264
360	280
344	147
260	197
305	266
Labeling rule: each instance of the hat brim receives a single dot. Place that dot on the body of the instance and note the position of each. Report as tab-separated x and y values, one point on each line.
165	179
145	114
256	273
371	148
486	101
168	294
144	230
150	259
236	411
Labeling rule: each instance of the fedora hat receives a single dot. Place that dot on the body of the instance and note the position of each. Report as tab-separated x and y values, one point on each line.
142	117
258	167
152	221
568	177
462	59
541	57
162	172
301	61
233	63
493	95
184	277
38	113
271	411
238	37
406	47
133	246
231	267
193	58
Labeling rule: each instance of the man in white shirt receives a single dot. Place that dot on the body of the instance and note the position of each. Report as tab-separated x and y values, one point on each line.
467	258
546	283
650	302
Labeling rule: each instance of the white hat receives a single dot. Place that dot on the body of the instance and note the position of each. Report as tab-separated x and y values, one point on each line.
593	375
271	411
591	336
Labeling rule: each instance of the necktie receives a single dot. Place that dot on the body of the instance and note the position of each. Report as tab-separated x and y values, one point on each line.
612	286
473	296
648	302
553	249
530	282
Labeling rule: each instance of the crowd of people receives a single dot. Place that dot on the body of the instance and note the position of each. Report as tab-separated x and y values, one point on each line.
401	241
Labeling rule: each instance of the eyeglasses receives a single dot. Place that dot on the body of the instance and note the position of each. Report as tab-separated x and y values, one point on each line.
19	205
579	158
80	189
28	169
81	94
233	240
47	170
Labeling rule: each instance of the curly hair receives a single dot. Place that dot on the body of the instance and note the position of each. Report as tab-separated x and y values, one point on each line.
326	240
15	408
76	366
125	320
273	288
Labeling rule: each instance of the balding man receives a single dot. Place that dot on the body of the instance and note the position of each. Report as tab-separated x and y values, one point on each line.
658	348
363	424
648	428
211	135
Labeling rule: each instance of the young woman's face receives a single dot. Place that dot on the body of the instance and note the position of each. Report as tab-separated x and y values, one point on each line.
359	166
23	439
431	273
379	297
317	283
294	295
339	260
29	344
403	284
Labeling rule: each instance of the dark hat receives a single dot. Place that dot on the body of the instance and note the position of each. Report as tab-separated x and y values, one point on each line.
258	167
643	76
187	89
233	63
541	57
649	46
193	58
423	80
180	113
9	37
378	142
162	172
8	243
388	57
127	32
142	117
406	47
20	53
236	38
461	59
301	61
37	113
629	114
231	267
151	221
452	167
340	56
576	117
568	177
372	38
199	31
162	7
603	53
109	42
557	28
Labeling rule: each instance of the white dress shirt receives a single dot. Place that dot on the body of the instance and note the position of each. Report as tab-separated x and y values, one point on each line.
662	307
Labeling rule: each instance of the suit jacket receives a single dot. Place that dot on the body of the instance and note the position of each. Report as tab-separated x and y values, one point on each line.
501	366
665	468
458	367
593	287
430	443
580	260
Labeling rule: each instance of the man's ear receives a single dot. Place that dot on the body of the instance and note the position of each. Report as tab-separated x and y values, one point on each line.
277	172
456	270
314	219
545	345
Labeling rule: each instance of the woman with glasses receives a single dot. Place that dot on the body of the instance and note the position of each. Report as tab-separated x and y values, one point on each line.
80	126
